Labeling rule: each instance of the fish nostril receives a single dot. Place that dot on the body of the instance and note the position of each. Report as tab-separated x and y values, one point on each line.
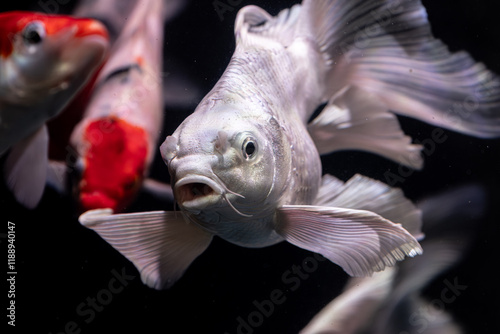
169	148
221	142
192	191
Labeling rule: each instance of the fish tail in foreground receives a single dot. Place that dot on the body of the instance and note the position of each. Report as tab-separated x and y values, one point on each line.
382	56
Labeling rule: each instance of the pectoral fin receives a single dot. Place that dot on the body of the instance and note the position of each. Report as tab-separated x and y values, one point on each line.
161	244
25	169
363	193
361	242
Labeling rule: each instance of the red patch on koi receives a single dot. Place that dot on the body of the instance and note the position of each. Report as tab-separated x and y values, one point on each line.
115	163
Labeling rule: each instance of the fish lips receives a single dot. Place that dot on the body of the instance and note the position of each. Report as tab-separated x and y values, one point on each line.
195	192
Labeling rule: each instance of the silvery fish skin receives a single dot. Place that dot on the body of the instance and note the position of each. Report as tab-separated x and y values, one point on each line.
245	165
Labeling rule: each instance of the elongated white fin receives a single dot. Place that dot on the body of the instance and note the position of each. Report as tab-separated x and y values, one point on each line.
363	193
386	48
25	169
161	244
358	120
361	242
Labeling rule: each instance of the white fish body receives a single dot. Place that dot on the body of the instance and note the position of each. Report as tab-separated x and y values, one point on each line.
245	165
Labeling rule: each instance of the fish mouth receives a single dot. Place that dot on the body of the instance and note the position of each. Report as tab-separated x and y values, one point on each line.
195	193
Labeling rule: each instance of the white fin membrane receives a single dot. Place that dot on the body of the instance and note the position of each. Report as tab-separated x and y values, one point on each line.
363	193
386	48
161	244
361	242
358	120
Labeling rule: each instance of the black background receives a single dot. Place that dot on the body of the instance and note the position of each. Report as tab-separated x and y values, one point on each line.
60	263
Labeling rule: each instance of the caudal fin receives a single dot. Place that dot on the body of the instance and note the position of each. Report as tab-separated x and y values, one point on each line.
386	48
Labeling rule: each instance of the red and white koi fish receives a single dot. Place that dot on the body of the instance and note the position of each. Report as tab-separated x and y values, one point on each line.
44	61
116	138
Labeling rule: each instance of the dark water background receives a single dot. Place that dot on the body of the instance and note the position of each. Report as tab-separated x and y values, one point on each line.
62	266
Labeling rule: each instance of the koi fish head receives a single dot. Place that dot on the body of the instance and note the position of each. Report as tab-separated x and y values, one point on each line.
43	54
115	162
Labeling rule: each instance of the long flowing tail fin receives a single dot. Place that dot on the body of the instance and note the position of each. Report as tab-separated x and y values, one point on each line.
386	48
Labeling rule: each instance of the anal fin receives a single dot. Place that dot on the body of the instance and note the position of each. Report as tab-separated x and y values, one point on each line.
161	244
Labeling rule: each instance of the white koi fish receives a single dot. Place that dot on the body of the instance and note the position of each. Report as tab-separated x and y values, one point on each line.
245	166
117	136
44	61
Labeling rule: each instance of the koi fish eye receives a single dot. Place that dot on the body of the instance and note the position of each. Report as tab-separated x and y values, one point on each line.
249	148
33	33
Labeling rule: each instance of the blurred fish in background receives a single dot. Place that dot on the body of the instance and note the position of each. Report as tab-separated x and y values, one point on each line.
113	15
118	135
392	301
44	61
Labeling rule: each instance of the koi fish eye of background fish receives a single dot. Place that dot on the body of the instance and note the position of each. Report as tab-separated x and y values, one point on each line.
33	33
114	162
